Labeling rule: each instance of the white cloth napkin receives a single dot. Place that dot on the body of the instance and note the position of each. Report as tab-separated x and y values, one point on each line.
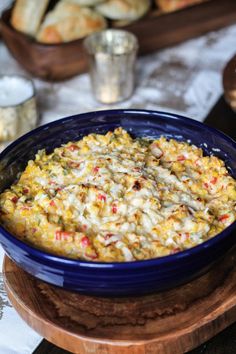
185	79
16	337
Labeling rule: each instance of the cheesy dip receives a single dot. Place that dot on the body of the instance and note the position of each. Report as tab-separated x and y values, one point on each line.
112	198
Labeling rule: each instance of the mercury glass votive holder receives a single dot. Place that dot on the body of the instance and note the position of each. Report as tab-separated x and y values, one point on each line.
112	55
18	108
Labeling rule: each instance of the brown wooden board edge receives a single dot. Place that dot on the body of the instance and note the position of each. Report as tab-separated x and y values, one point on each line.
205	329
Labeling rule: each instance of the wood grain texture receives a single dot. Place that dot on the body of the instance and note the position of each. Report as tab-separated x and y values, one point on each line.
173	321
155	31
162	30
50	62
223	343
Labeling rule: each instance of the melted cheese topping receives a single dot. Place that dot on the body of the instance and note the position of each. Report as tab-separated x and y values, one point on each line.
112	198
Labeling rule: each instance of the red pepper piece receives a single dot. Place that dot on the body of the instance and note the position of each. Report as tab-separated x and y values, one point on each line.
181	158
102	197
175	250
95	169
63	235
223	217
52	203
58	235
114	209
213	180
91	255
14	199
85	241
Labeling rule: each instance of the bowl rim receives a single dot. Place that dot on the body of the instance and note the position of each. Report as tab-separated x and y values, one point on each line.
60	260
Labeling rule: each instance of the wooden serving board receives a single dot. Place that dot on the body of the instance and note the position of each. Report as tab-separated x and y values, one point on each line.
158	30
173	321
154	31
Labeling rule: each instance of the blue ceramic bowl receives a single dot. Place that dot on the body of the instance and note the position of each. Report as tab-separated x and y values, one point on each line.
116	279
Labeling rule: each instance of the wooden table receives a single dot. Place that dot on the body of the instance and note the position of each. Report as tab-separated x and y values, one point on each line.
223	118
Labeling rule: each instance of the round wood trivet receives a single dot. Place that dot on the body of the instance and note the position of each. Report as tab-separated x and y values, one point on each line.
173	321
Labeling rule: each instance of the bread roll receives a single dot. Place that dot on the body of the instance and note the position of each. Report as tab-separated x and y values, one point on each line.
173	5
69	21
87	2
124	9
27	15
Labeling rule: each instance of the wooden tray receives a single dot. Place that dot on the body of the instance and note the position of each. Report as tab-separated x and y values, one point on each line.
158	30
170	322
155	31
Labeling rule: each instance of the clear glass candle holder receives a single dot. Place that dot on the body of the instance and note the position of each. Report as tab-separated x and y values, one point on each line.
18	108
112	55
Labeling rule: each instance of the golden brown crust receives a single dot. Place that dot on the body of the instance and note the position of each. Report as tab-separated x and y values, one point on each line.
173	5
69	21
51	35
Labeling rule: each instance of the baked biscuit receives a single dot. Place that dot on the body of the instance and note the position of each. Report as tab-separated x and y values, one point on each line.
69	21
87	2
173	5
124	9
27	15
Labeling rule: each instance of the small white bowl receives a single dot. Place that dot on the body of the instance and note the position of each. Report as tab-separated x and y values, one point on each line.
18	109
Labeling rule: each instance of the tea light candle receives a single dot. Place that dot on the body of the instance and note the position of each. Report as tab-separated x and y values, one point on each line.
18	112
112	55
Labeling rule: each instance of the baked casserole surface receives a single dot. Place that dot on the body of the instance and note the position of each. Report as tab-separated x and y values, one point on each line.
112	198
